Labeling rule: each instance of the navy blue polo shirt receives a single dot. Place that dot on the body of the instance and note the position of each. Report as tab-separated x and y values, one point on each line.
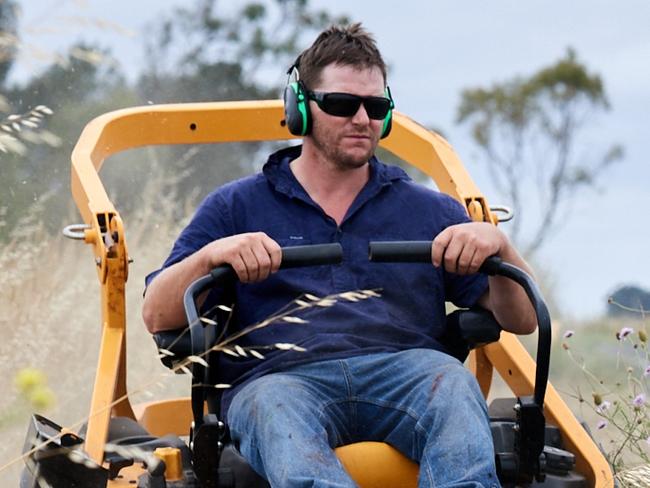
410	313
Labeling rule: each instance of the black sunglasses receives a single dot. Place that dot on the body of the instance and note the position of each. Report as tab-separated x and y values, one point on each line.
346	104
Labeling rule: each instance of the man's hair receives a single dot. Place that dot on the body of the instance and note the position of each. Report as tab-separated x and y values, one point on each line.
348	45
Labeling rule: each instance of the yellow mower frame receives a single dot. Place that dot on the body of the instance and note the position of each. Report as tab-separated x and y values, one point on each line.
200	123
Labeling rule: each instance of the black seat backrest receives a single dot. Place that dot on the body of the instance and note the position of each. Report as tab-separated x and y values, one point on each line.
469	329
178	342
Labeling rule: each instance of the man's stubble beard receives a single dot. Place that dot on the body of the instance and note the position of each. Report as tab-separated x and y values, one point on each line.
331	149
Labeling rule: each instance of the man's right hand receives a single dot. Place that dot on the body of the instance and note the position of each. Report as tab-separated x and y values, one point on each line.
253	256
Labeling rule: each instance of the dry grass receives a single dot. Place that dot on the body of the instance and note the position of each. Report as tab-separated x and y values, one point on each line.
51	316
637	477
49	322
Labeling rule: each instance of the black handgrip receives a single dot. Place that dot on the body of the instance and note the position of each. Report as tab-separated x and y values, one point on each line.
313	255
491	266
400	251
292	257
417	252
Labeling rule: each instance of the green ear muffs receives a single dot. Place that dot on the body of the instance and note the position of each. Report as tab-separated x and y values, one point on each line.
296	109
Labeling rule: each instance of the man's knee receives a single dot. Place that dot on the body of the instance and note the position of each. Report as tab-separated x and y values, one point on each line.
439	372
424	361
265	400
455	377
265	389
451	395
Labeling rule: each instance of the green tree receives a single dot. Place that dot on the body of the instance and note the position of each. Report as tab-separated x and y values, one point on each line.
528	130
76	91
34	146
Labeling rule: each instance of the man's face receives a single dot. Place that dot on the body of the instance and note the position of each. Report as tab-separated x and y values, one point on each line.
348	142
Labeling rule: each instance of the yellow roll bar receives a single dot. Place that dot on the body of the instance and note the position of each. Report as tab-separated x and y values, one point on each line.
199	123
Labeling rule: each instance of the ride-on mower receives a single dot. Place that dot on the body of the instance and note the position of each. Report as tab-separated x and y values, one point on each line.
184	442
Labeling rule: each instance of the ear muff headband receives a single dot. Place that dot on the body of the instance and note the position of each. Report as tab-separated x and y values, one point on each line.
303	107
388	120
302	103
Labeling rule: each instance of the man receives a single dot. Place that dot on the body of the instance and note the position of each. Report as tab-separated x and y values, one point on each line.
372	370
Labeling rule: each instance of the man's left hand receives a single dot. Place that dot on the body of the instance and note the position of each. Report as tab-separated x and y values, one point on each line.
462	248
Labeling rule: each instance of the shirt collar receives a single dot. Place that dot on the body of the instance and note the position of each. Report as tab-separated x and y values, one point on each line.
279	174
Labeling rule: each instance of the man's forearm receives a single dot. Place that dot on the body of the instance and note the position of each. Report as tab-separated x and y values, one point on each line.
253	256
163	302
508	301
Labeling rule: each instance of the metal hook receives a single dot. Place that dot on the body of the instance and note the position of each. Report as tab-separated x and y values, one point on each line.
507	212
75	231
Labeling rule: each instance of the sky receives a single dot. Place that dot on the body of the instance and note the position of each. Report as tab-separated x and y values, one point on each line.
434	50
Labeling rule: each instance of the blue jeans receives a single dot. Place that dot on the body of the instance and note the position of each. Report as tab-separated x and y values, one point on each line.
424	403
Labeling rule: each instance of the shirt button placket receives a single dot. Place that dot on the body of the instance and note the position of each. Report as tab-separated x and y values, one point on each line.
339	272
